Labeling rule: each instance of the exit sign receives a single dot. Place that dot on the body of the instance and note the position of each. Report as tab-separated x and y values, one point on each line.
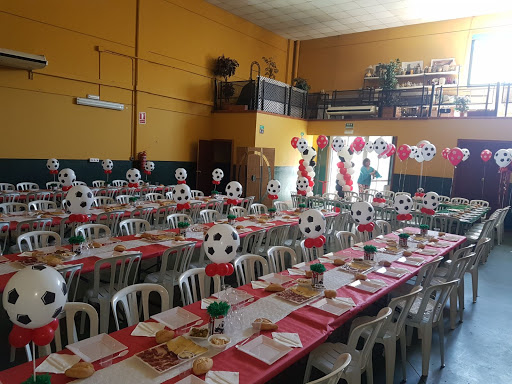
349	128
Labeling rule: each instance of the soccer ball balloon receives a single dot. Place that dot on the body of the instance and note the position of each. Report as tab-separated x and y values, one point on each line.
66	177
217	174
312	223
273	187
79	199
362	212
107	165
234	190
181	193
402	204
180	174
220	243
133	175
52	164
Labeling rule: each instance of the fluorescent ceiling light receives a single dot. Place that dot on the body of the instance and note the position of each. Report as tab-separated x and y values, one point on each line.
99	104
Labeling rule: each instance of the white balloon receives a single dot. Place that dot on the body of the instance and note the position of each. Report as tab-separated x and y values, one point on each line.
418	156
431	200
311	175
220	243
368	146
79	199
422	143
380	145
234	190
302	145
350	171
107	165
35	296
309	194
309	169
362	212
217	174
402	204
180	174
133	175
344	155
337	143
52	164
302	183
339	176
503	158
428	151
312	223
149	166
414	150
466	153
346	188
181	194
273	187
66	177
342	182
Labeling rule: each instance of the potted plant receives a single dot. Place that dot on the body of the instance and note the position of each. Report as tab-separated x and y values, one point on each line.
75	242
424	229
388	83
231	219
369	252
183	225
133	200
272	212
301	83
402	239
318	270
271	70
225	67
462	105
214	194
302	207
217	311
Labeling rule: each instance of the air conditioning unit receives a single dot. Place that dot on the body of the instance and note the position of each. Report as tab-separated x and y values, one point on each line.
15	59
353	110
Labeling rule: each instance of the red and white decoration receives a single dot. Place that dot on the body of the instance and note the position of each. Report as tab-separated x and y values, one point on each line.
181	175
273	188
217	176
312	225
66	178
53	166
220	245
107	166
346	168
363	214
306	167
133	177
149	167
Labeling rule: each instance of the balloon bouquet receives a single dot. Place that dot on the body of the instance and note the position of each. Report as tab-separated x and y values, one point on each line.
312	225
220	245
345	165
306	172
33	298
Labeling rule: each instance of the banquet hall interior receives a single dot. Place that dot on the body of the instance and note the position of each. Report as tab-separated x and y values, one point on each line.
255	191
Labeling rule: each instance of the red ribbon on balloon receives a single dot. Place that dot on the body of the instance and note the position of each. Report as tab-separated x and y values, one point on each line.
147	172
181	207
54	171
133	185
322	141
404	217
77	218
379	200
222	269
66	188
428	211
273	197
182	181
216	182
317	242
232	201
419	194
366	227
302	193
107	171
19	337
486	155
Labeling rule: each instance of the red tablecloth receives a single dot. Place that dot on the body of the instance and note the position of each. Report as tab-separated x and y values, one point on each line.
313	326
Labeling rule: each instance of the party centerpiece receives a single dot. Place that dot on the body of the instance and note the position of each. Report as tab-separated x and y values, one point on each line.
217	311
424	229
183	226
272	212
75	242
231	220
133	200
369	252
402	239
302	207
318	270
214	194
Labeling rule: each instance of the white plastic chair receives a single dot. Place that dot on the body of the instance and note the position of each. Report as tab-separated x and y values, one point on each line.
459	200
217	205
258	209
53	184
71	309
13	207
38	239
325	356
275	236
195	285
79	183
310	254
111	219
98	183
153	196
38	195
427	313
383	226
174	262
281	206
247	202
339	366
402	193
392	331
444	199
119	183
483	203
280	258
168	195
102	200
41	205
196	193
175	218
93	231
330	196
134	226
127	297
26	186
160	216
246	266
195	208
10	197
123	199
209	215
7	187
480	250
238	211
123	272
251	243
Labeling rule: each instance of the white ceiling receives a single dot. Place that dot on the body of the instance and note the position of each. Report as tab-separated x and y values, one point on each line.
312	19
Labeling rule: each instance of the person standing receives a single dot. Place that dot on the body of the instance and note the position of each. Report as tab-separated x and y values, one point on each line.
367	173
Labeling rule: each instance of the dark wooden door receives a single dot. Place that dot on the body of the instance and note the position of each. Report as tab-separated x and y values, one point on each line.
213	154
475	179
254	169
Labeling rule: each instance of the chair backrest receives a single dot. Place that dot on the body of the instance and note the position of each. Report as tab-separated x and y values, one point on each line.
433	301
258	209
481	249
419	218
238	211
4	235
400	307
365	196
275	236
426	272
10	197
40	205
26	186
196	285
447	224
246	267
79	183
339	367
247	202
402	193
195	208
111	219
280	258
315	202
371	329
71	274
217	205
389	195
7	187
13	207
196	193
119	183
93	231
334	205
123	272
459	267
297	200
252	242
483	203
459	200
444	199
160	216
98	183
175	261
123	199
280	206
175	218
461	252
134	226
53	184
209	215
330	196
34	225
128	296
153	196
71	309
310	254
102	200
39	195
168	195
143	213
350	196
384	227
38	239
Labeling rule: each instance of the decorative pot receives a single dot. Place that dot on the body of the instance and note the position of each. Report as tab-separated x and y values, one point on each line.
369	256
402	241
216	325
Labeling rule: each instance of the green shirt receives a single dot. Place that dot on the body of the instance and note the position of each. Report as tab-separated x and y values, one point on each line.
365	178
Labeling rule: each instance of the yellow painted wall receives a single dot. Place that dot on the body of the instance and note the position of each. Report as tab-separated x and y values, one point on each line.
152	55
339	62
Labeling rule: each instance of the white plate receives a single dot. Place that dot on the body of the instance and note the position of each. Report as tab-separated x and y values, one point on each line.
191	379
366	285
265	349
331	306
275	278
175	318
241	296
96	347
415	261
392	272
302	266
427	252
449	238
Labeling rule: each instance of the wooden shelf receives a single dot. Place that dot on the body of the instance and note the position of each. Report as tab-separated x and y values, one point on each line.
442	73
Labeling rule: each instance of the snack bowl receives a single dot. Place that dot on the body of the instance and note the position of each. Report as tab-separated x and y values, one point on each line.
192	334
220	345
304	282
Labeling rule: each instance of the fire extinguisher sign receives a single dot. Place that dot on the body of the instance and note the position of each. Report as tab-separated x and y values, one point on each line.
142	117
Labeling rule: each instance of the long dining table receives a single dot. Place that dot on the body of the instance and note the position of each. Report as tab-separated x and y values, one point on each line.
312	324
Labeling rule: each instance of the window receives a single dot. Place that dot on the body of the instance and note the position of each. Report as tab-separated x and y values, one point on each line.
383	166
490	59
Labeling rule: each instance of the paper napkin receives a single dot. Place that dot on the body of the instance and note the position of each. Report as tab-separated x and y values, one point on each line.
345	300
147	329
57	363
296	272
259	284
289	339
222	377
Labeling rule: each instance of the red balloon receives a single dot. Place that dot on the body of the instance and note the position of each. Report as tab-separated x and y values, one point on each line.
304	173
350	182
19	337
222	269
486	155
341	165
44	335
231	269
302	168
311	183
54	324
445	153
346	177
211	269
318	242
294	142
322	141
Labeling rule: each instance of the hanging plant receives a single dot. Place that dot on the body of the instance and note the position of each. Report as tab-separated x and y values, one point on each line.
271	69
301	83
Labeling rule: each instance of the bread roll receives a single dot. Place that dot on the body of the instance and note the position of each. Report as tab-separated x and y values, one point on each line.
330	293
360	276
80	370
339	262
385	263
96	245
266	324
274	288
164	336
442	233
421	246
120	248
309	274
179	238
407	253
202	365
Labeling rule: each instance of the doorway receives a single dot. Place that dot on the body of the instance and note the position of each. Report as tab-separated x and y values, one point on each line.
254	168
213	154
